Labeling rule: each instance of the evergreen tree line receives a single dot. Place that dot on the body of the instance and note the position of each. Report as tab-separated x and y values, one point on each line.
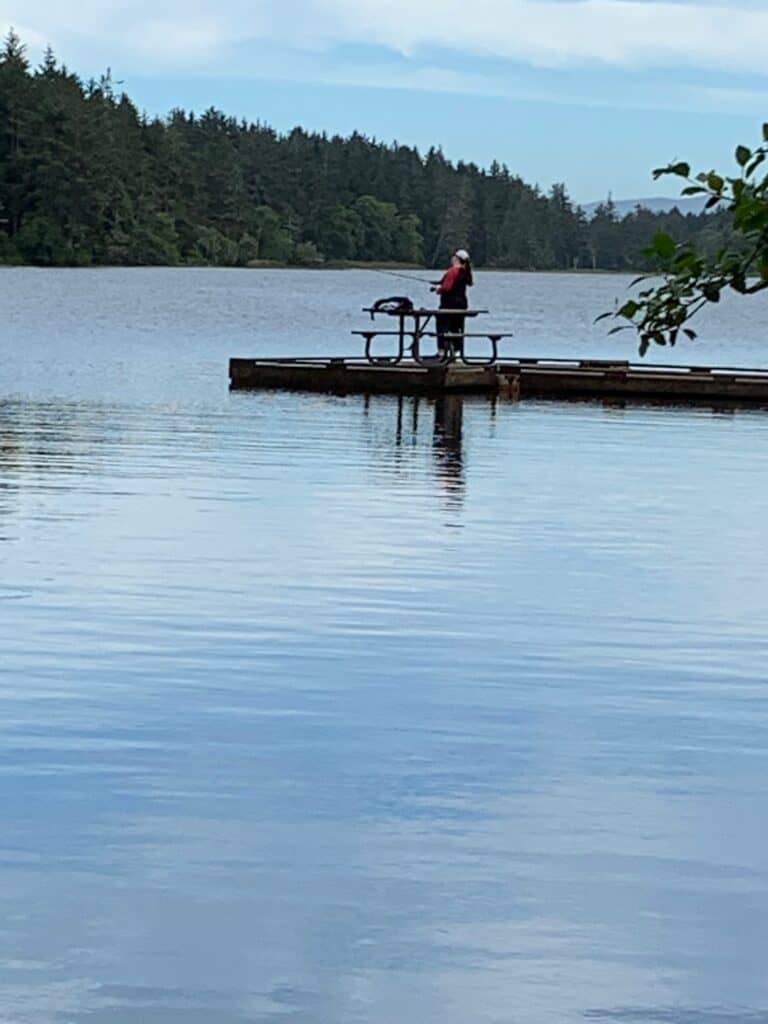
87	179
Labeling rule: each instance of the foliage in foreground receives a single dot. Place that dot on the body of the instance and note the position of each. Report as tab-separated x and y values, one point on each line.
691	279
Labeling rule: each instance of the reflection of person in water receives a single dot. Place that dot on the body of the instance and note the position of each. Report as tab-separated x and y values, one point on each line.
447	442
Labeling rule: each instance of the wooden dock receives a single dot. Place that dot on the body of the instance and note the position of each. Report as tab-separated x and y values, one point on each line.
515	378
357	376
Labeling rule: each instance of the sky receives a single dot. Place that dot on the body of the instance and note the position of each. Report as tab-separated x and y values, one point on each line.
592	93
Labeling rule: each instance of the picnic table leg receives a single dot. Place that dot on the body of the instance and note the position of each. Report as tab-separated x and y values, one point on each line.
415	347
418	334
446	337
369	339
384	360
474	361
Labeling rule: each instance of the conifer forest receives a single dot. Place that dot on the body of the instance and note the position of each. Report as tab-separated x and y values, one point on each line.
87	179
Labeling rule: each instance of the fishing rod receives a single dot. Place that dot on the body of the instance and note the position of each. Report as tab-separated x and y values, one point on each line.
392	273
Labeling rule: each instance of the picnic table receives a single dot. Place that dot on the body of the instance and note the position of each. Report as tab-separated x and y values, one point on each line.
414	324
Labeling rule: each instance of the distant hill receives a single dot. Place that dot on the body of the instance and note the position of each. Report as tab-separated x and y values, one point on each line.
657	204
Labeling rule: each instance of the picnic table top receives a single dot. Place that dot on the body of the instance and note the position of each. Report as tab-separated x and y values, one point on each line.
424	312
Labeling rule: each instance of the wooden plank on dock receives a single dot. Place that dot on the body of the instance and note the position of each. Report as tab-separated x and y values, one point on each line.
636	382
353	376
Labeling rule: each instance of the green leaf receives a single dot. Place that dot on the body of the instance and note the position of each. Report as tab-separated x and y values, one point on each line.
684	259
693	190
629	309
663	245
689	333
739	282
681	169
715	182
743	155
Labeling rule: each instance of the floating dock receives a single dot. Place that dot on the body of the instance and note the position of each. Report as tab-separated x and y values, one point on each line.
517	378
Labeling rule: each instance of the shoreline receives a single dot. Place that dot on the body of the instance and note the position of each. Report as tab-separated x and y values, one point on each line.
331	265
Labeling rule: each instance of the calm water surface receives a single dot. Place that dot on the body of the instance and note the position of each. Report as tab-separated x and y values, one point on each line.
321	709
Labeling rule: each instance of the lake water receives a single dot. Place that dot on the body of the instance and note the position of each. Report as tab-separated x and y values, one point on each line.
321	709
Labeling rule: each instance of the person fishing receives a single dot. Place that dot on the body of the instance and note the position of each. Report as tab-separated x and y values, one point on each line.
452	290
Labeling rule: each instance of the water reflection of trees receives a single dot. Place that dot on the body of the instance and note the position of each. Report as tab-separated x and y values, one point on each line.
40	440
10	451
57	438
50	447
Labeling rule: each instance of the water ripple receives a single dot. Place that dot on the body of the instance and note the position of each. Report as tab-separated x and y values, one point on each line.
344	709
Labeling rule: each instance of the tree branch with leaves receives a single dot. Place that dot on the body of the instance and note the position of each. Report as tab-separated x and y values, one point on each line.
660	312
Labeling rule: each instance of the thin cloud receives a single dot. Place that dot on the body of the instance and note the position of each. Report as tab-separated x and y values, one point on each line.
734	100
197	39
544	33
636	33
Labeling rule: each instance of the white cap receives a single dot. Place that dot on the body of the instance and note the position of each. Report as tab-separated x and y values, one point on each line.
462	254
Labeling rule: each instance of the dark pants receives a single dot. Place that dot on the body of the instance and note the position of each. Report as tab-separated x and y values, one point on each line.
450	323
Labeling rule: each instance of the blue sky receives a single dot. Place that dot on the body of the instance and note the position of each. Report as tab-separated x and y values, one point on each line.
594	93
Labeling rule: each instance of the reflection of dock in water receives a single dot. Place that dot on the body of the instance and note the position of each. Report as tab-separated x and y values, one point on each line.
412	423
447	441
